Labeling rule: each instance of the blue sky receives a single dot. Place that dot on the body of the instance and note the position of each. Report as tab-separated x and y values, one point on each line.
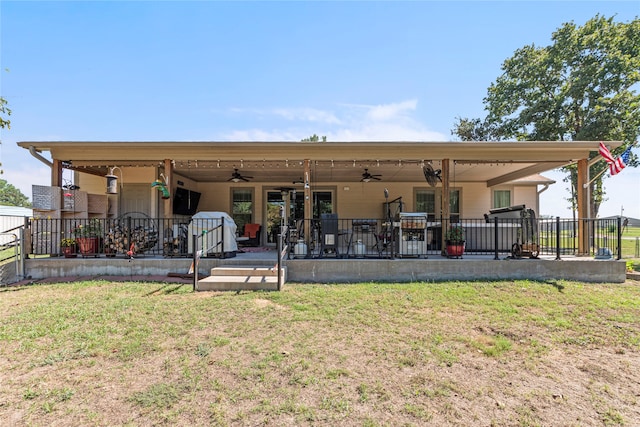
209	70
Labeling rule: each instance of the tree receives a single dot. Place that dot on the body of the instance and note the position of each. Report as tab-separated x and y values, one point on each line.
11	196
314	138
579	88
474	130
5	112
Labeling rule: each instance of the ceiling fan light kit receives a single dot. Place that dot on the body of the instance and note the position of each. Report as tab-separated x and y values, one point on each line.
237	176
367	177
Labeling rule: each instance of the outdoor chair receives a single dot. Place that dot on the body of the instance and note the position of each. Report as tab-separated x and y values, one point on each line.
252	232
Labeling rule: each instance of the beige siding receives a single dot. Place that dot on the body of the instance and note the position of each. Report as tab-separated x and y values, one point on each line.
476	199
352	200
527	196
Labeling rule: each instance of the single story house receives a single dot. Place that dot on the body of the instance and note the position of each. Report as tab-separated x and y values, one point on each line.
350	179
330	195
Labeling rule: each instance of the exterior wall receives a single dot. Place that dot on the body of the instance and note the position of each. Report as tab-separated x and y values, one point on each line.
366	199
352	200
98	184
476	199
94	184
527	196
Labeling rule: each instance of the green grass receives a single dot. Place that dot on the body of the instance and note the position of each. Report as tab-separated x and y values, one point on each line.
97	353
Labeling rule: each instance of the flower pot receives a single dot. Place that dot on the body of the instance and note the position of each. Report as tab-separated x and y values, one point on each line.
69	251
88	245
455	249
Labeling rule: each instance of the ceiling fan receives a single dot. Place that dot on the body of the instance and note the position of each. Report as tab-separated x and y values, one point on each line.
366	176
431	175
237	176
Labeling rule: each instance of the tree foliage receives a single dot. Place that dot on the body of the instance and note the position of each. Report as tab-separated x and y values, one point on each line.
5	112
314	138
11	196
475	130
582	87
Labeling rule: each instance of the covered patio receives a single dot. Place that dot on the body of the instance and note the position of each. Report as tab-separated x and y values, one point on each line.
296	184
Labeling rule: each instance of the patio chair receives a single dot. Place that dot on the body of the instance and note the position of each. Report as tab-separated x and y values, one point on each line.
252	232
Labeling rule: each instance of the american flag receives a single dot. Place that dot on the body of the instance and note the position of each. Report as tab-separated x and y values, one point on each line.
615	165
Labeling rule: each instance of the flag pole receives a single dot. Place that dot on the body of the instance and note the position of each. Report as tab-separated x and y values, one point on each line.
594	178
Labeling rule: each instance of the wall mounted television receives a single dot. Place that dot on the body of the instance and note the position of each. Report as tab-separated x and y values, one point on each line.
185	202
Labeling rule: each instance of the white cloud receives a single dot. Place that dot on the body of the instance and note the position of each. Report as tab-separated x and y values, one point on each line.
304	114
392	111
260	135
371	131
350	122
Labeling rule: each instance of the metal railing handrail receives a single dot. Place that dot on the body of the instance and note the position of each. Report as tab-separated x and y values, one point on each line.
17	256
170	237
198	253
282	249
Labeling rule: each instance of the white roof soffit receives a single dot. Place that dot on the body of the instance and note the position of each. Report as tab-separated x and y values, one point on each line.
493	163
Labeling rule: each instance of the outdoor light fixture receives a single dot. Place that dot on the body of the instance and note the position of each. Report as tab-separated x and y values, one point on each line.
112	180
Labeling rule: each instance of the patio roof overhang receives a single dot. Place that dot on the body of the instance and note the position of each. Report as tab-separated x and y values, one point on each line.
494	163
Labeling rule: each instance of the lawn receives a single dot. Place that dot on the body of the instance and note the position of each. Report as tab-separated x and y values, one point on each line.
482	353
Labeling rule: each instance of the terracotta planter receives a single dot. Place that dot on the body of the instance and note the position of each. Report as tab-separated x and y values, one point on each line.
88	245
455	249
69	251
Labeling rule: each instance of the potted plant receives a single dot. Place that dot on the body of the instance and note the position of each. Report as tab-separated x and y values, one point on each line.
68	245
88	236
454	238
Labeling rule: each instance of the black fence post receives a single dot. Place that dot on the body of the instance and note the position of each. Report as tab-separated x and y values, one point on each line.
194	249
558	238
222	231
495	237
279	262
130	248
619	238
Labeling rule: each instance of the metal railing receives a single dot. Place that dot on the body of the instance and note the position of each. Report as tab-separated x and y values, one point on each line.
417	238
11	256
332	237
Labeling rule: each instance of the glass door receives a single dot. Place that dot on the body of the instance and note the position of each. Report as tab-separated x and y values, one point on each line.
322	203
274	210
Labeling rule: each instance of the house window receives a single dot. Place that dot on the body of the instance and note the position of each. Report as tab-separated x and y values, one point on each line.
426	202
322	203
501	198
429	201
242	207
454	205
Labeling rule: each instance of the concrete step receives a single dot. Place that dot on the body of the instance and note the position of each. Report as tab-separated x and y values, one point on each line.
238	283
241	279
246	271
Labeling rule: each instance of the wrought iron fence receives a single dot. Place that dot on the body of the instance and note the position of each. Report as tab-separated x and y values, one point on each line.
407	236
